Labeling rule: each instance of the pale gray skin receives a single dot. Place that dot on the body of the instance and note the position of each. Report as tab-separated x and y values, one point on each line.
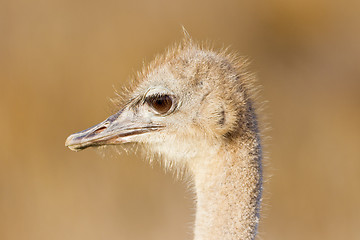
210	130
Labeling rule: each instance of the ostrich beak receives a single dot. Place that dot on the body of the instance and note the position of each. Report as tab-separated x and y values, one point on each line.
119	128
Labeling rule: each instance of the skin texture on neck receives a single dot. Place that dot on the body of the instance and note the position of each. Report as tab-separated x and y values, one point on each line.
228	188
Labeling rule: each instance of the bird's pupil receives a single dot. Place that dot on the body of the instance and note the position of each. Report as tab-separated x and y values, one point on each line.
160	102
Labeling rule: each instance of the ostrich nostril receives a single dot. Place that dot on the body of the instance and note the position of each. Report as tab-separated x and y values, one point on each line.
100	130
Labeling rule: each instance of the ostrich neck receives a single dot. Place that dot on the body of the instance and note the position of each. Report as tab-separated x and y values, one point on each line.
228	188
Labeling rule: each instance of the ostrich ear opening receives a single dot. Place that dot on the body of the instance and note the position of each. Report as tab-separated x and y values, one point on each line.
119	128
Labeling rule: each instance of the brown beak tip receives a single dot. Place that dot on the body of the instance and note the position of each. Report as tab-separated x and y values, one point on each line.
72	144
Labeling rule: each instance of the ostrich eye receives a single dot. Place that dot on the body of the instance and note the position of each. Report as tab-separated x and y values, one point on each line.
161	103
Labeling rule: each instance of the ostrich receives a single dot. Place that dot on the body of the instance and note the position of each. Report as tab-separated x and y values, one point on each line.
194	107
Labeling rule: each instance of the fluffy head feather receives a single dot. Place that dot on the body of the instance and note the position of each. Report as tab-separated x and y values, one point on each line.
214	95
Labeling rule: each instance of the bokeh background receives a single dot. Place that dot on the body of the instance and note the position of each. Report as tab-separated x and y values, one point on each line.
60	61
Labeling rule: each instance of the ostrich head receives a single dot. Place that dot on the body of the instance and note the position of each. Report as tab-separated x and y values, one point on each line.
186	105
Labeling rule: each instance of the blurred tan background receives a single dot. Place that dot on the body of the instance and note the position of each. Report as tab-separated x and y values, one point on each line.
60	59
